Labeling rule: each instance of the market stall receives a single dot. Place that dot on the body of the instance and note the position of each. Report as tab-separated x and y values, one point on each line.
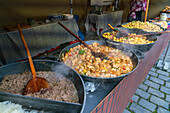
112	93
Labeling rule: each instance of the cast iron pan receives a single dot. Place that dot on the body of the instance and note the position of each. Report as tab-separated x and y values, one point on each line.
139	49
132	55
48	106
164	29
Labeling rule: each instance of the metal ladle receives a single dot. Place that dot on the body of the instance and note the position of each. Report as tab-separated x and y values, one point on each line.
95	54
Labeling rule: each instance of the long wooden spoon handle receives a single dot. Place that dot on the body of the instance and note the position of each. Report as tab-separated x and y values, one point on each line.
74	35
111	27
146	12
28	52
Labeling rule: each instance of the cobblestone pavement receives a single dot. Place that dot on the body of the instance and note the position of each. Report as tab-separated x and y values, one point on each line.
153	95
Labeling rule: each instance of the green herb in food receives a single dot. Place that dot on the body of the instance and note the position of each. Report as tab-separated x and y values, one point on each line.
67	51
81	51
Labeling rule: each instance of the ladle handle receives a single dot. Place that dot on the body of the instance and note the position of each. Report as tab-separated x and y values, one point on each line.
28	52
73	34
111	27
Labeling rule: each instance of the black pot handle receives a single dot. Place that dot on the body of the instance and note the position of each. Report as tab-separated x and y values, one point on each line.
113	43
140	54
49	57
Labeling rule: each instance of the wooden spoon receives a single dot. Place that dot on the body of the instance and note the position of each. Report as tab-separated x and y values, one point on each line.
119	33
95	54
36	84
146	12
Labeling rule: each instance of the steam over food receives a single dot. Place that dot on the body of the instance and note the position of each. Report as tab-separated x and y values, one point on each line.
146	26
61	89
81	59
128	40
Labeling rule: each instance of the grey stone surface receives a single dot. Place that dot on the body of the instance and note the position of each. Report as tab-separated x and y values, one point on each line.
165	89
167	98
161	57
128	104
167	84
152	84
142	93
153	73
162	72
138	109
157	80
147	105
135	98
147	77
159	102
162	110
126	111
143	86
164	77
150	96
168	70
156	92
153	69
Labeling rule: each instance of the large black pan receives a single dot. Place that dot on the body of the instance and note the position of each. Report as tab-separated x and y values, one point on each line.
163	29
132	55
49	106
135	47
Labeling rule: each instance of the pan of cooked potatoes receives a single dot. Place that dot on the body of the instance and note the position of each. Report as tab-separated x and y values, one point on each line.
140	43
120	62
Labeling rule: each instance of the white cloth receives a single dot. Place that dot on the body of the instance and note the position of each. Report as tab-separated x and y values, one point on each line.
102	21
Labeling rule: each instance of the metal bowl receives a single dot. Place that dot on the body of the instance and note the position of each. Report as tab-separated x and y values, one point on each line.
49	106
141	48
164	29
132	55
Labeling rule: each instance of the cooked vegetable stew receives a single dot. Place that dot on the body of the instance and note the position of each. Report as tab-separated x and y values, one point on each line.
146	26
81	59
129	40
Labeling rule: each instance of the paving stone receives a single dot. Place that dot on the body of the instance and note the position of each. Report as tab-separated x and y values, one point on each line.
142	93
159	64
162	72
159	102
135	98
153	73
155	92
138	109
165	89
162	110
161	57
128	104
167	60
164	77
143	86
167	84
126	111
167	98
157	80
147	77
152	84
147	105
153	69
168	70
